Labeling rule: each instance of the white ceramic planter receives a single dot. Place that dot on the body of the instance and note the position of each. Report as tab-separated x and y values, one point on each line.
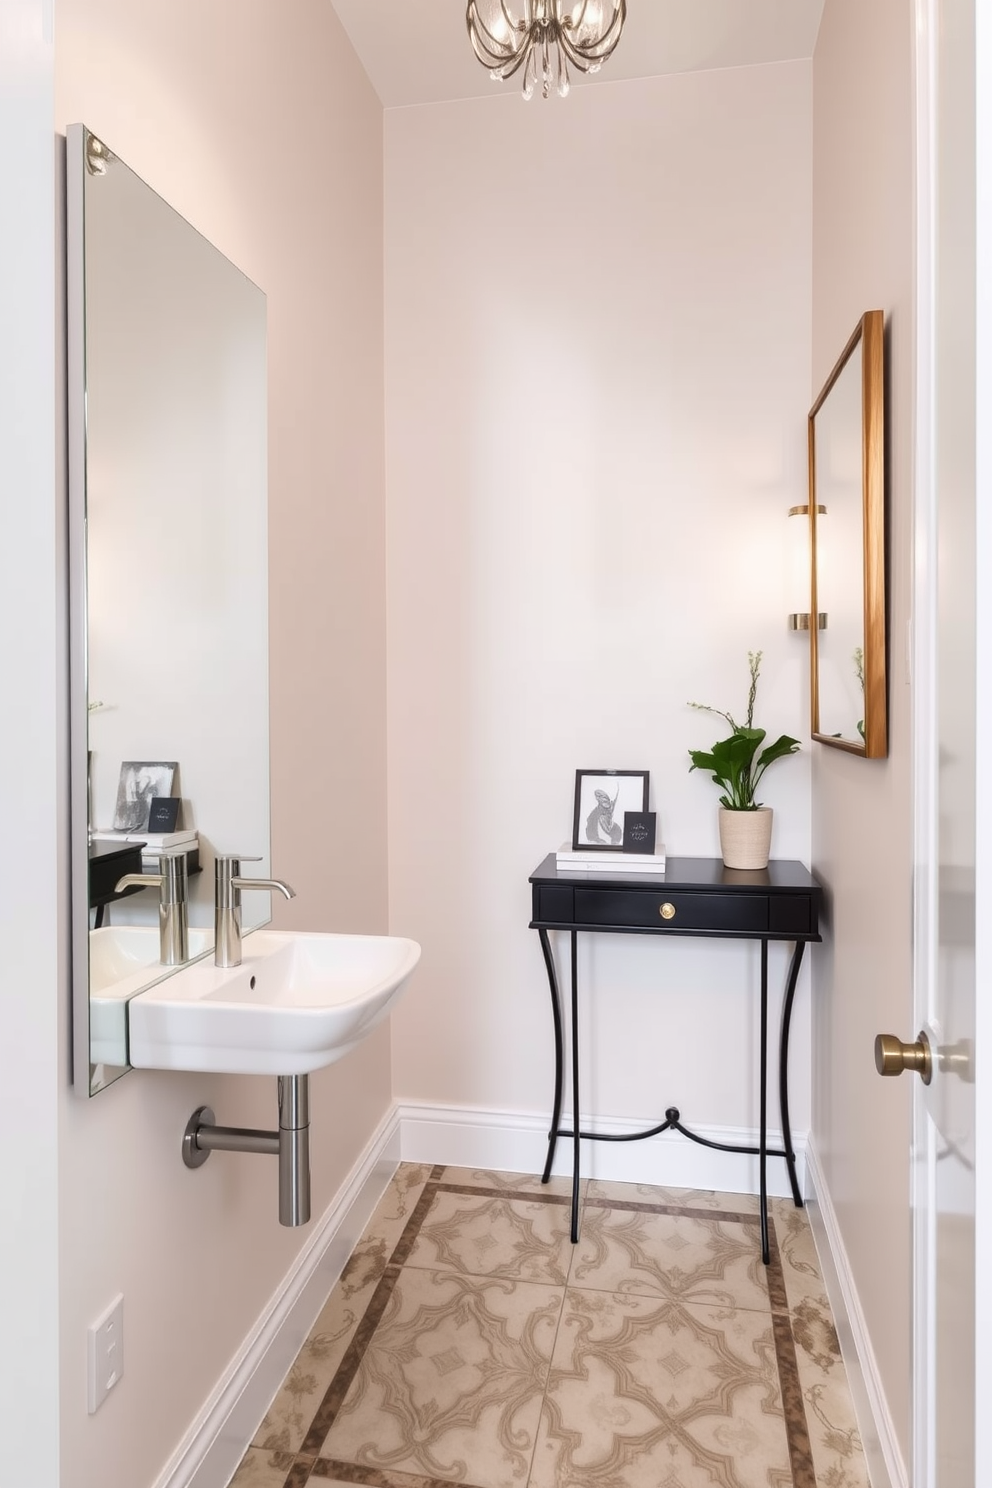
746	837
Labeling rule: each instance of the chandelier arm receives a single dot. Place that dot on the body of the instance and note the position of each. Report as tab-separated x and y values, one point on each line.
503	64
543	41
518	61
511	24
587	57
575	21
602	48
507	66
489	48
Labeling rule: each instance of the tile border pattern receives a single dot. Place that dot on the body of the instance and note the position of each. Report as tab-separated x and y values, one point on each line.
306	1466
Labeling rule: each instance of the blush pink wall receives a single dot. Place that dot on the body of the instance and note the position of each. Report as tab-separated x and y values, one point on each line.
863	231
597	359
257	123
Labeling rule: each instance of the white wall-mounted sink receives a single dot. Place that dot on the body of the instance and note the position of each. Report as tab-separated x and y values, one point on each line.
296	1003
123	960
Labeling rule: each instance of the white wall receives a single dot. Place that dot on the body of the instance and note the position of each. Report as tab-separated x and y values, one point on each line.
258	125
597	358
31	867
862	810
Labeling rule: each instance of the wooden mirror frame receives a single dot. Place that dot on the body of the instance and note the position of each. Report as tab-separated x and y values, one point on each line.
868	334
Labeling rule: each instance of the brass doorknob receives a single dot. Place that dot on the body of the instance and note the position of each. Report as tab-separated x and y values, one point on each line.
892	1056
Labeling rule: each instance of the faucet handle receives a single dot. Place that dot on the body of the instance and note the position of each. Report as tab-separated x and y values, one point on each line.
228	865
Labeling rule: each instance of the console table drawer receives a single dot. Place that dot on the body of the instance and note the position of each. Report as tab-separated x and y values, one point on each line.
657	909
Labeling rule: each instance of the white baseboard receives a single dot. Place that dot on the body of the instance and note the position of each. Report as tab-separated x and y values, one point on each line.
210	1452
886	1468
517	1142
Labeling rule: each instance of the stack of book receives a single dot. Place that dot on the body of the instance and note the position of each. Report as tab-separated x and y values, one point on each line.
153	841
589	860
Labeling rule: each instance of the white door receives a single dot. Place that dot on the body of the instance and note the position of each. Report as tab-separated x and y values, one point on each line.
947	653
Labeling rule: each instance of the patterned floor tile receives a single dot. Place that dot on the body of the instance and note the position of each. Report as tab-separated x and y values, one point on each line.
451	1385
519	1238
835	1442
689	1258
393	1211
288	1418
800	1263
646	1392
262	1469
660	1365
510	1182
679	1198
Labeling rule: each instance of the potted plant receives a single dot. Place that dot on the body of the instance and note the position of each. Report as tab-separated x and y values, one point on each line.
736	765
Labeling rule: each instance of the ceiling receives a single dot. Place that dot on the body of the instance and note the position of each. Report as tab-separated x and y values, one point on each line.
417	51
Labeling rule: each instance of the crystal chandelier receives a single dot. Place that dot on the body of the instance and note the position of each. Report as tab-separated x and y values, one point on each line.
544	38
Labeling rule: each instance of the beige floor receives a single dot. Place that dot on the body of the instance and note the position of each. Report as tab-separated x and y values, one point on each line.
469	1342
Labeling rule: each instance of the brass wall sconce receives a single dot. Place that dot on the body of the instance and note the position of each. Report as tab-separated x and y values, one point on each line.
800	568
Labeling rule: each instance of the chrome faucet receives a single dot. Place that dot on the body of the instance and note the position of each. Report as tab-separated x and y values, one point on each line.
227	905
173	904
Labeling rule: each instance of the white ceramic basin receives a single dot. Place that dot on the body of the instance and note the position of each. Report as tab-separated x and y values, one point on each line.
295	1004
123	960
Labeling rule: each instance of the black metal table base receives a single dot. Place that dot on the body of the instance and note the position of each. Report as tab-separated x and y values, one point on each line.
673	1117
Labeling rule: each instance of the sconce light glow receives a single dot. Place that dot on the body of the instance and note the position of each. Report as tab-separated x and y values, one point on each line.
799	568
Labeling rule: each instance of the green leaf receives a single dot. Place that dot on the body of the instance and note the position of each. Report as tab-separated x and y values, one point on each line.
734	763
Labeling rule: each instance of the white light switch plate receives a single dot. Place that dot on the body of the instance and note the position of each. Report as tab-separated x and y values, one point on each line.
105	1353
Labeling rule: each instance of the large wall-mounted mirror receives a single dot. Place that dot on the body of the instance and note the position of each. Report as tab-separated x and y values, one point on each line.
847	522
168	581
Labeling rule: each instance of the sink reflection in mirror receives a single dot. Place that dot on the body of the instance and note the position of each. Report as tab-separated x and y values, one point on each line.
124	959
168	560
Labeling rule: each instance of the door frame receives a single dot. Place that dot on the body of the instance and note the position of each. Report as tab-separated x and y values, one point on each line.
924	651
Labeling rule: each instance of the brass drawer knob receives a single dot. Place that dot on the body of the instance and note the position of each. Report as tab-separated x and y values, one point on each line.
667	911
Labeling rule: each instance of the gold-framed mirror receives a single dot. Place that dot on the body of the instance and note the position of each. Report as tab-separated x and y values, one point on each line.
847	543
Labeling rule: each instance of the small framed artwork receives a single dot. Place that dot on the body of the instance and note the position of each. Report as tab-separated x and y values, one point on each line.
163	814
601	799
141	781
639	831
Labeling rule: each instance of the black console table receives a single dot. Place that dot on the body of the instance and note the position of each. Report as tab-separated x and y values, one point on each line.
694	896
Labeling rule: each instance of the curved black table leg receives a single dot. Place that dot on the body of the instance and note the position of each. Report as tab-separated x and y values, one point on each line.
763	1108
783	1069
549	962
576	1133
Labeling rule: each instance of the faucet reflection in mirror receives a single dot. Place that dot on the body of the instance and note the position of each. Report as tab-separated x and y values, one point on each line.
172	882
167	411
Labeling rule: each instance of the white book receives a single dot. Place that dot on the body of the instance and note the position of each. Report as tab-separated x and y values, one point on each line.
618	869
568	857
150	839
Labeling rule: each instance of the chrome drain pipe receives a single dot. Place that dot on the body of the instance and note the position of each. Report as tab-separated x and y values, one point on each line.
291	1144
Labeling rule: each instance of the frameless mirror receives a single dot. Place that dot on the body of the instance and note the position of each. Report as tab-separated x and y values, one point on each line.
168	582
847	524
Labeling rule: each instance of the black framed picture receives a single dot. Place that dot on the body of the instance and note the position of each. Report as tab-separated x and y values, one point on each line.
140	782
601	798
